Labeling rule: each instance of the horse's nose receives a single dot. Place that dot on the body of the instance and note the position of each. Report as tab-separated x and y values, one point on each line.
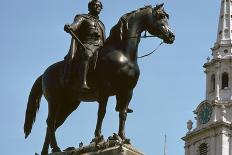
172	36
171	33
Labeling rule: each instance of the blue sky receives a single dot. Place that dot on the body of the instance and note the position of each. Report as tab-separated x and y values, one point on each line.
171	85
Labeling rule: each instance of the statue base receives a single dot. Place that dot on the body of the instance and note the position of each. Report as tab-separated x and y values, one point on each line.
113	146
125	149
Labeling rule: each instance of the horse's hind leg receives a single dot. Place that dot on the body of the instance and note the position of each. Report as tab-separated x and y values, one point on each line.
51	121
47	138
63	114
101	114
46	143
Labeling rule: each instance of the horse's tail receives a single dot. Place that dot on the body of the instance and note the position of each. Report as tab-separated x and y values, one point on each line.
33	105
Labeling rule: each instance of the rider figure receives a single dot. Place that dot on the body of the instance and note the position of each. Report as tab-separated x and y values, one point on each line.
91	33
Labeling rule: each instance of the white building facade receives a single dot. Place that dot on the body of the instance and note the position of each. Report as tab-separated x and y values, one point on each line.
213	132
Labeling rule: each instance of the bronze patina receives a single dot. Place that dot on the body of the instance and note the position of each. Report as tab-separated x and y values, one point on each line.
116	73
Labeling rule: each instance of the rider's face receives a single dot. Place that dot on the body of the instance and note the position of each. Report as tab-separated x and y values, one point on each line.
96	7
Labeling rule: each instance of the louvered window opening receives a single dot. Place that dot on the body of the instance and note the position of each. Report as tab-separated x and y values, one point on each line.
225	80
203	149
212	81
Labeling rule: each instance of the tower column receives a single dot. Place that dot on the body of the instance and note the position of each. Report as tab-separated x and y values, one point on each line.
217	83
207	84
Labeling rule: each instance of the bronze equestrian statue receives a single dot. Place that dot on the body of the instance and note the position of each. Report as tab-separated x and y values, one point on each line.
116	74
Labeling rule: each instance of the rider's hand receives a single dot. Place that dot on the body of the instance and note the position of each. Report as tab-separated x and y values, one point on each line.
67	28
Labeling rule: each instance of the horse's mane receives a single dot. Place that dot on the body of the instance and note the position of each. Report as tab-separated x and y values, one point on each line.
137	10
118	31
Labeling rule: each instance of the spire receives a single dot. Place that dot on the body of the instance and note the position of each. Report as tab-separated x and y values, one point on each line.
165	143
222	47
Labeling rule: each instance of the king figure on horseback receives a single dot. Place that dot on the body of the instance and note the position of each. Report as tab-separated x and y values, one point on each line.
91	35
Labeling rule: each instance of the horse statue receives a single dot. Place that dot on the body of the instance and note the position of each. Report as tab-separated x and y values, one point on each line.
116	74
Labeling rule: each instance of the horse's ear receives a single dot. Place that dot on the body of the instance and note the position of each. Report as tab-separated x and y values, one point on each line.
159	6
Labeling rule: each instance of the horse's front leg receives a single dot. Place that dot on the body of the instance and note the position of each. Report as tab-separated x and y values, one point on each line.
125	98
101	114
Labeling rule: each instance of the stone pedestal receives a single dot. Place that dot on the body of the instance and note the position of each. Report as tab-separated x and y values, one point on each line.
116	150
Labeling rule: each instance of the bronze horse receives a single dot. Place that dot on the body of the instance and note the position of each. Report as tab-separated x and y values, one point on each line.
116	74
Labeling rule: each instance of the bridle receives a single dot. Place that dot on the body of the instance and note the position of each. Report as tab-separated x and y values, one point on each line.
147	36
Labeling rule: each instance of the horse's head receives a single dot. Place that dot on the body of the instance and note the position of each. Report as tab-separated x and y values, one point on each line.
157	24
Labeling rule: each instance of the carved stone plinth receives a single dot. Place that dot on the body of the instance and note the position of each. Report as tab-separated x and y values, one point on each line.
125	149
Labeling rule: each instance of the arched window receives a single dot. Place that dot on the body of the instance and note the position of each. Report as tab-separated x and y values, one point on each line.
225	80
212	83
203	149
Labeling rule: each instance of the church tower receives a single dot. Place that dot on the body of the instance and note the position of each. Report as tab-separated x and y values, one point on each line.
213	132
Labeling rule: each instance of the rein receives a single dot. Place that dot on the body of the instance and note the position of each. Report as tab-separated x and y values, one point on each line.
151	51
146	36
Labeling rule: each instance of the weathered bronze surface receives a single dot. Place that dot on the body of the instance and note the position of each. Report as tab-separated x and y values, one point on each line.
116	74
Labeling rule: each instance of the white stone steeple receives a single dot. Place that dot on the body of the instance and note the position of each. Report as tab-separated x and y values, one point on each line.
219	69
223	46
213	132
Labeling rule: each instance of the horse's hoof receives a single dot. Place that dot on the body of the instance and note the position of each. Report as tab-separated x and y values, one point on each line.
126	141
98	139
56	150
117	137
